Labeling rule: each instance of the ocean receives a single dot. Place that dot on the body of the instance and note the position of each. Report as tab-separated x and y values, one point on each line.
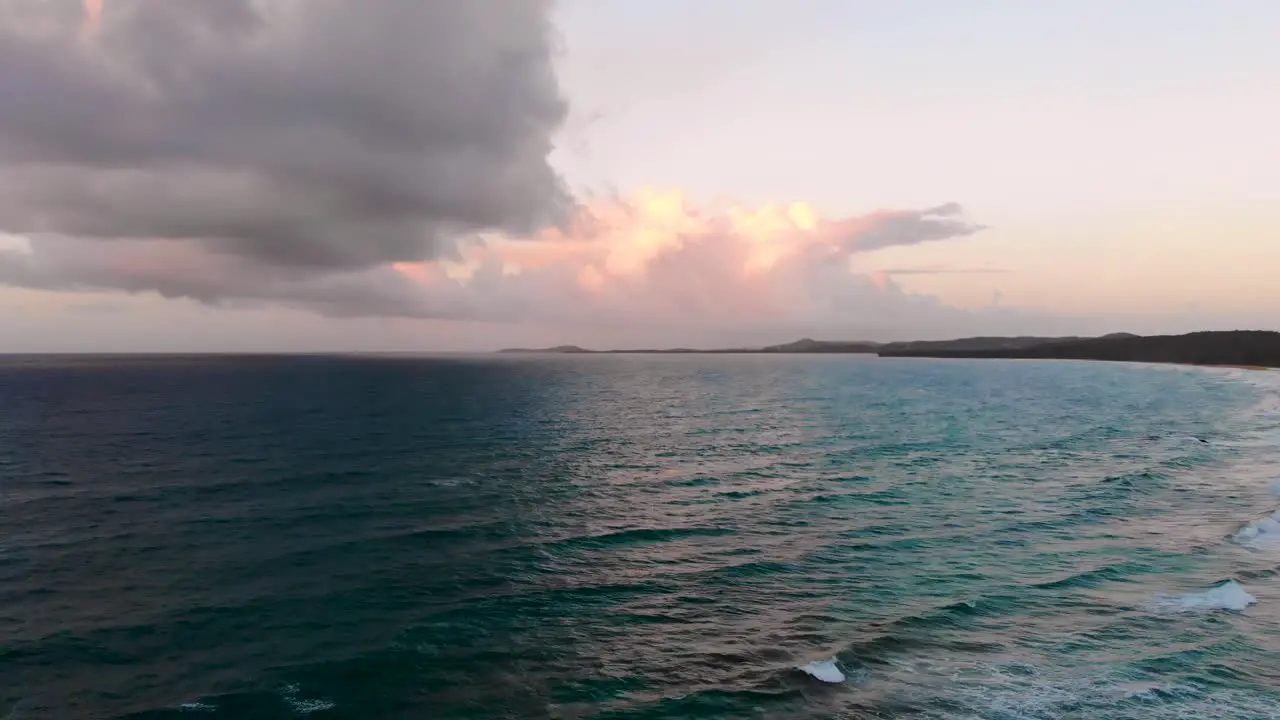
636	538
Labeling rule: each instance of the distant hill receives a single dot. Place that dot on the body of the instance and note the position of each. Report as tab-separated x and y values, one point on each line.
825	346
973	344
559	349
1256	348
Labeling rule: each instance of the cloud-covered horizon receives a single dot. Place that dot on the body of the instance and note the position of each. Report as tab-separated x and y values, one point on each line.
383	158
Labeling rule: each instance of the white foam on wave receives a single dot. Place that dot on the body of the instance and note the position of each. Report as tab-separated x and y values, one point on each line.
1259	534
825	670
1230	595
304	706
198	707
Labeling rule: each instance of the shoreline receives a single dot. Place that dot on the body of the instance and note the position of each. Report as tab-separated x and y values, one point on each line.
1265	368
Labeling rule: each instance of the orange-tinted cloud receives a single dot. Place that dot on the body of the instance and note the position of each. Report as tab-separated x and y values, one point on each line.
92	19
620	240
659	258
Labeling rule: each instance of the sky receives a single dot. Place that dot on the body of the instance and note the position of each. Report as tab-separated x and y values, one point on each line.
180	175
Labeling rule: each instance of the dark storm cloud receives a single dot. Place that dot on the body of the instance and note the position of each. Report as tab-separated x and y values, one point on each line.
321	134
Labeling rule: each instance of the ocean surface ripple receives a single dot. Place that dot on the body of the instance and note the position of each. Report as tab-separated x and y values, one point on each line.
636	537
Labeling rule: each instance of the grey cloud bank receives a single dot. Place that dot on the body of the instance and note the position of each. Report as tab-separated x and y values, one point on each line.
327	134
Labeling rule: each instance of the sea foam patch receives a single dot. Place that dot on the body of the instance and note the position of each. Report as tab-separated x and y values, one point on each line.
1261	533
304	705
825	670
1230	595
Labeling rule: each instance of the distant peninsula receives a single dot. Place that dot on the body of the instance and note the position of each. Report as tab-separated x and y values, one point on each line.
1245	348
806	346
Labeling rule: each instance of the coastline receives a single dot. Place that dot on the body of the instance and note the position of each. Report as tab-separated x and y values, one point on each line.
1246	349
1266	368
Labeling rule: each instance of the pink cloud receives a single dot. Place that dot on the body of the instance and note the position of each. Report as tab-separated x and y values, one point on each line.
658	258
92	18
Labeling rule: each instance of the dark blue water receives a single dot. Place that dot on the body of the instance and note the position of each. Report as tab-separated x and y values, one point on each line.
635	537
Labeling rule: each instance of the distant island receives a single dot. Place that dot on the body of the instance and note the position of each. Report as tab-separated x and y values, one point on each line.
1246	348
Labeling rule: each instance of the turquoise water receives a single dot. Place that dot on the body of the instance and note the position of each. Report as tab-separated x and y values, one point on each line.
636	537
